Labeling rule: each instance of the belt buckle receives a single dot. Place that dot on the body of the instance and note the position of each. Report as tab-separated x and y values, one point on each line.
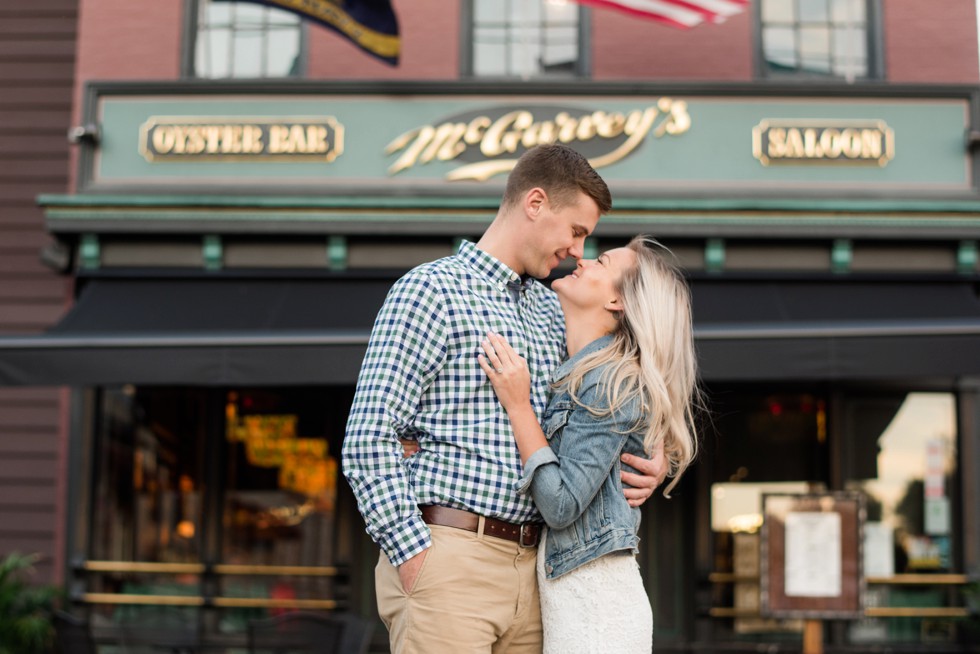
526	533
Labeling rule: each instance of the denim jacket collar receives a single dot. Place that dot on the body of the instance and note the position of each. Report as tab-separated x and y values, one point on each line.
562	371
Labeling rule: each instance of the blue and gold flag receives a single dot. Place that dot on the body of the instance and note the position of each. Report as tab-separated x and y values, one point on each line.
369	24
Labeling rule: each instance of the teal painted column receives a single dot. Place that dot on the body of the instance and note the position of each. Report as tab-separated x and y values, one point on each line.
89	252
591	249
714	255
213	252
842	256
337	253
966	258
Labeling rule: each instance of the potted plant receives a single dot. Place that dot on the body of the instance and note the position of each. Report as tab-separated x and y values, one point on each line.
25	609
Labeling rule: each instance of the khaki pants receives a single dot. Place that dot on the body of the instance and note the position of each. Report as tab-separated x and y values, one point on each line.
474	594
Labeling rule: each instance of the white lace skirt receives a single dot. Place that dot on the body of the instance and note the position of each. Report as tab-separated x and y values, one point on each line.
598	608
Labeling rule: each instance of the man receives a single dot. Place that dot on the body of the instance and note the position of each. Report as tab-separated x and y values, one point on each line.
457	568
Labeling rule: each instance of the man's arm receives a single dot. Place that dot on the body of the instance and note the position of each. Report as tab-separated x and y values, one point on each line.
404	354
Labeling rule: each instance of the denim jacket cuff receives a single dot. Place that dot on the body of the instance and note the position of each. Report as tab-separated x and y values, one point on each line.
539	458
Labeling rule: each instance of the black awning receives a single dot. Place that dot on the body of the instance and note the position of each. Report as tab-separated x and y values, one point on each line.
314	331
206	332
752	330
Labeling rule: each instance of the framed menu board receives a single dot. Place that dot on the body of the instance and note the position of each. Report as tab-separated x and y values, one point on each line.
811	556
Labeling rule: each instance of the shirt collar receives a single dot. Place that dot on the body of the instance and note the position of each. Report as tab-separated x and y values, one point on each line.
562	371
488	266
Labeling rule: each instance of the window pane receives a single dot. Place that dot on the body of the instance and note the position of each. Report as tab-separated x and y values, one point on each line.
490	59
561	49
218	13
814	11
848	11
815	43
247	55
778	11
488	11
560	11
283	46
780	46
850	44
522	11
212	54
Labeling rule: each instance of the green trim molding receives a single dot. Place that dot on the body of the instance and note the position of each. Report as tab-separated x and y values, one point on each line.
361	214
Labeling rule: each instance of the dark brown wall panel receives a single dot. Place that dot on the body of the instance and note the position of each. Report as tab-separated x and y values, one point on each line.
37	63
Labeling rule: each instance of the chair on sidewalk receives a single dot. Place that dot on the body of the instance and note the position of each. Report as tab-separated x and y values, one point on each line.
160	630
72	634
301	632
357	634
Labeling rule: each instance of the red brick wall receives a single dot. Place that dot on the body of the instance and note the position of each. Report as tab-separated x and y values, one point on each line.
37	52
126	40
930	42
624	47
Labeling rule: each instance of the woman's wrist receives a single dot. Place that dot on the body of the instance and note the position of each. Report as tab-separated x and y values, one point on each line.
520	411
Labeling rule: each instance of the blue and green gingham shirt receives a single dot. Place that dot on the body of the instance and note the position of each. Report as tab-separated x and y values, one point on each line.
421	379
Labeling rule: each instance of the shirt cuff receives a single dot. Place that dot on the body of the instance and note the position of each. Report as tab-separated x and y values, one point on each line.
541	457
412	538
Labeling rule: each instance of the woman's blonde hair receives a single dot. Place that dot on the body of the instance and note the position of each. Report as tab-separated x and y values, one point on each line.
651	357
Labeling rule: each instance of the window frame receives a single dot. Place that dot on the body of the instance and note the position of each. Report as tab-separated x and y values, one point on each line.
188	61
583	66
875	52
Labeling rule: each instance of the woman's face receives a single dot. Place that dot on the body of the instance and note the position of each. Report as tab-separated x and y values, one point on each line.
593	283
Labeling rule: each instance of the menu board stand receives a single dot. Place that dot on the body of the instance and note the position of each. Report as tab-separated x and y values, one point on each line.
811	560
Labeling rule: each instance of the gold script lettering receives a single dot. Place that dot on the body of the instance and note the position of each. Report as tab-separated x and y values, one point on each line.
505	134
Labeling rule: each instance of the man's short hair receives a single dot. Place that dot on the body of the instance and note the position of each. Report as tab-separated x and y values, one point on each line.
561	172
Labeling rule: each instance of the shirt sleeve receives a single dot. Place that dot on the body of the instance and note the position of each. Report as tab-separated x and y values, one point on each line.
406	350
563	486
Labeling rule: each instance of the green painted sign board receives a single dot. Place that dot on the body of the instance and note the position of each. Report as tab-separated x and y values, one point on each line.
641	144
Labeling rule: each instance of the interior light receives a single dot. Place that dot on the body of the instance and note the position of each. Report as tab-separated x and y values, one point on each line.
185	529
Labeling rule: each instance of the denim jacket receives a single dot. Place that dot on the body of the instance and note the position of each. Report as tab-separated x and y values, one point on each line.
576	483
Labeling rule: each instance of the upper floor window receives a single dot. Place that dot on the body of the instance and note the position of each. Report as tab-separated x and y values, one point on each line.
246	40
526	38
819	38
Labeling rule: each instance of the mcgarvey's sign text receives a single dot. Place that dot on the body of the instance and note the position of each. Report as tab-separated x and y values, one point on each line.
488	142
167	138
869	142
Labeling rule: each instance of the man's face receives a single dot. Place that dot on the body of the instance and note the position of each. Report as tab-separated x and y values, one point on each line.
560	233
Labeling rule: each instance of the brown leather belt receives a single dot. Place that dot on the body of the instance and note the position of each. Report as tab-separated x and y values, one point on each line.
525	535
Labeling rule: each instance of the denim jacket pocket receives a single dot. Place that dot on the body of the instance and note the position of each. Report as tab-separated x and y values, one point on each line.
554	422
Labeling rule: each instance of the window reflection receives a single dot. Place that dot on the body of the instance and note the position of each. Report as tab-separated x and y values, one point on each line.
911	495
149	493
243	479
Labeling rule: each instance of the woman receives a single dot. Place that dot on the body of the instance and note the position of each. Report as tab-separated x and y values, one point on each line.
628	385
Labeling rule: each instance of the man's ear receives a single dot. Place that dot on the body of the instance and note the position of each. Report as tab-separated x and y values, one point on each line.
534	201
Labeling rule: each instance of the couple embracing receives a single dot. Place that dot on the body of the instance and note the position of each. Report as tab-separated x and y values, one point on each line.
543	418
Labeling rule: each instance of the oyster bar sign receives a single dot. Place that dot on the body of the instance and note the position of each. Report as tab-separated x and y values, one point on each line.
488	142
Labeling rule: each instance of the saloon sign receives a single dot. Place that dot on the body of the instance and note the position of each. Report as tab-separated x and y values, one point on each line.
869	142
488	142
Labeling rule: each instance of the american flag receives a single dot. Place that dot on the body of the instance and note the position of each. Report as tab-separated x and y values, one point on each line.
679	13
